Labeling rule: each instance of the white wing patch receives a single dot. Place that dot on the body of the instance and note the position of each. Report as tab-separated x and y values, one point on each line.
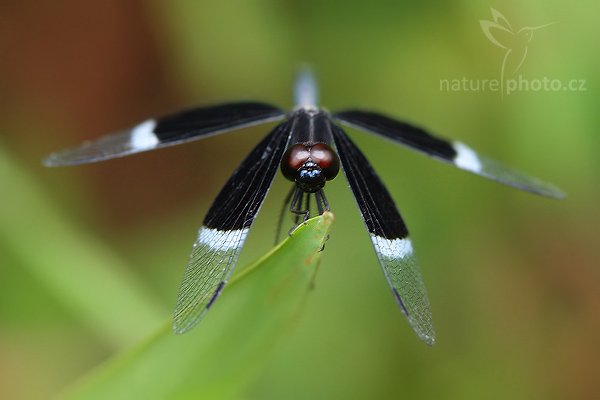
466	158
221	240
393	248
143	137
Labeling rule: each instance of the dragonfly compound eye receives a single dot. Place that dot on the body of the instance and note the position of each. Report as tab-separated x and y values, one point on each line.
326	159
293	159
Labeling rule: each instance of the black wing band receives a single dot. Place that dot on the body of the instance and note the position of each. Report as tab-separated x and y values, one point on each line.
168	131
222	236
456	153
389	236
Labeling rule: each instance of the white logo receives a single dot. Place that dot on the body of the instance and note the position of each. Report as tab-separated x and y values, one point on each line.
515	43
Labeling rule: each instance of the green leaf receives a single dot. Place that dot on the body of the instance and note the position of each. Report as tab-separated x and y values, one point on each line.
220	356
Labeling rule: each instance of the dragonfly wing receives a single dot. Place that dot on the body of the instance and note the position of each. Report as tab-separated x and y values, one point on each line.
224	230
456	153
389	236
167	131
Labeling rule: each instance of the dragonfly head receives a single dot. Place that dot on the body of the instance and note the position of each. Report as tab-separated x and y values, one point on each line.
310	165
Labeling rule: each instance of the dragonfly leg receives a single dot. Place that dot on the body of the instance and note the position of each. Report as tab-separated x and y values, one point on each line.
296	207
284	207
321	200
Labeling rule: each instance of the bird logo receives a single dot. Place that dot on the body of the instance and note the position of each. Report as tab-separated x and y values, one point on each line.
515	43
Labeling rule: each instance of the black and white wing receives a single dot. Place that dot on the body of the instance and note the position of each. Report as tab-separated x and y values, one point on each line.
389	236
224	230
453	152
167	131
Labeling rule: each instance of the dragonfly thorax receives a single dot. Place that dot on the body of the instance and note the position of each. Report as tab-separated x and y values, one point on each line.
310	165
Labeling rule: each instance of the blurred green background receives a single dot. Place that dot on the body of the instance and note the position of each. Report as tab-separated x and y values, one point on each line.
91	257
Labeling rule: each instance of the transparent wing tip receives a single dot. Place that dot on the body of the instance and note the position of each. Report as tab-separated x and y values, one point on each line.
50	161
76	156
429	340
468	160
56	160
104	148
179	328
427	336
423	328
525	183
185	321
553	192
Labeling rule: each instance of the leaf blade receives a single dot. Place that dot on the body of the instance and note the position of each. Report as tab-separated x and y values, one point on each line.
221	356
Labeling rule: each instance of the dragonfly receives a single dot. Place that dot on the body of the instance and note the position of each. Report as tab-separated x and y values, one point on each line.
309	146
